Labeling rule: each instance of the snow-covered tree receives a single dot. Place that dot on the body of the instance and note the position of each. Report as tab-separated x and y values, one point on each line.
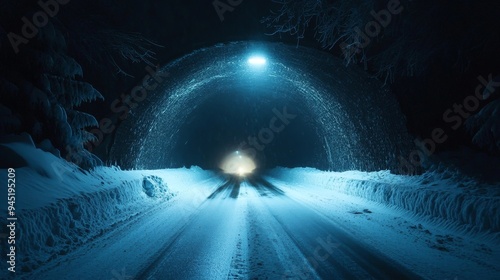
41	89
485	125
92	40
42	86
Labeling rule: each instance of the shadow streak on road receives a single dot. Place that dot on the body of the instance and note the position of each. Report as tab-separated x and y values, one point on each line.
231	188
264	187
236	190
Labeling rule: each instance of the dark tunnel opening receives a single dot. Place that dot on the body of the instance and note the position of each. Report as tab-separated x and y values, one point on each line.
271	126
237	96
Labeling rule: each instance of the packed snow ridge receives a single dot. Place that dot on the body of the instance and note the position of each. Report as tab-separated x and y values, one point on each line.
443	196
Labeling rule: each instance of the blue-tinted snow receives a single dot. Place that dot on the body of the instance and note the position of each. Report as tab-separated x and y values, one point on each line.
64	212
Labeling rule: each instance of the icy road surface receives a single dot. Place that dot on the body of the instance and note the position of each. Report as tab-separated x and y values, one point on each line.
254	230
261	228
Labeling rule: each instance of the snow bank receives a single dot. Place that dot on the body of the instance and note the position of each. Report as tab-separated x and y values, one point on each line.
443	196
60	207
56	229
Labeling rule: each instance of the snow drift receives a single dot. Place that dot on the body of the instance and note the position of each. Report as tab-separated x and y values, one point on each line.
59	206
444	196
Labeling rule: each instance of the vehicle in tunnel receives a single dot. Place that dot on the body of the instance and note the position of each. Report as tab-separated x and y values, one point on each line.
238	163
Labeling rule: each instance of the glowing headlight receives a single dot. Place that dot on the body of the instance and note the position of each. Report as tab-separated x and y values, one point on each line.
238	164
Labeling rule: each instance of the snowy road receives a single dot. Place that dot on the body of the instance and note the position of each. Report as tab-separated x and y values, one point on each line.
253	230
258	228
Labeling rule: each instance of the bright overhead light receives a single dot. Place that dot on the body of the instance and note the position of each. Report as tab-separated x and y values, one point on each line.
257	60
238	163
